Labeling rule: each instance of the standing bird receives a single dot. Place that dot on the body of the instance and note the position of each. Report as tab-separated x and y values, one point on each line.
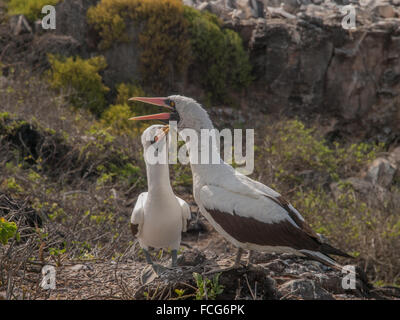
247	213
159	217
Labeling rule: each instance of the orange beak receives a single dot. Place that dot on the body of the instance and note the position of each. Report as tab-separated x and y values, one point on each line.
155	101
159	116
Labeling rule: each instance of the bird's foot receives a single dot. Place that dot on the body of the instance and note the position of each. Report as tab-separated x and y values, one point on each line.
232	267
237	264
151	272
174	257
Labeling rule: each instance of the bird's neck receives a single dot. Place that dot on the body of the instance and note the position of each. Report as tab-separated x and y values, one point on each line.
205	160
158	179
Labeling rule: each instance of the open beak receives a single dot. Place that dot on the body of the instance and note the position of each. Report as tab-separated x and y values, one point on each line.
165	117
155	101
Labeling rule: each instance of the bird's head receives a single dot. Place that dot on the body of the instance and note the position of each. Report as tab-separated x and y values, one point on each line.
153	135
187	112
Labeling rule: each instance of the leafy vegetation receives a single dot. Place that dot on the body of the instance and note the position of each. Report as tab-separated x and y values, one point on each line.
304	168
174	38
207	288
7	230
116	116
81	79
296	149
31	9
220	52
163	41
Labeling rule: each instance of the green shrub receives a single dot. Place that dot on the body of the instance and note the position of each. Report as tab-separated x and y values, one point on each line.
165	49
301	165
296	149
82	76
116	116
351	223
220	52
31	9
207	288
7	230
173	37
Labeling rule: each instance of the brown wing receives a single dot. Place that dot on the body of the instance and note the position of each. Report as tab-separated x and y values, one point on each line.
250	230
323	247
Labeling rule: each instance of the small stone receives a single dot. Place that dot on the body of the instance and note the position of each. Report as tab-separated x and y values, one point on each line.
204	6
191	258
19	25
394	156
385	11
78	267
277	266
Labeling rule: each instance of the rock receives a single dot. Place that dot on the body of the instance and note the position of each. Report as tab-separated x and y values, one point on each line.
251	8
204	6
332	284
372	192
123	60
381	172
304	289
394	157
78	267
71	19
291	6
384	10
191	258
277	266
52	43
19	24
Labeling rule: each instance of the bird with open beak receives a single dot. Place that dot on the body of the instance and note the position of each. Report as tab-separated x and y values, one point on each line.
247	213
159	216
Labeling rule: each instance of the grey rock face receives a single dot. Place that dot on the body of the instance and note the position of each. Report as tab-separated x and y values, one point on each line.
71	19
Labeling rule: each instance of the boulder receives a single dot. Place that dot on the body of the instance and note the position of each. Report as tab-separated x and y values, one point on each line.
381	171
394	156
384	11
304	289
374	193
71	20
19	24
191	258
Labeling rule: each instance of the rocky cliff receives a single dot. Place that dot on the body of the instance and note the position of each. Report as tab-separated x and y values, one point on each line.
304	61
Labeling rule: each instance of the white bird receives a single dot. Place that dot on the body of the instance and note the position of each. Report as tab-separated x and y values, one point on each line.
159	217
247	213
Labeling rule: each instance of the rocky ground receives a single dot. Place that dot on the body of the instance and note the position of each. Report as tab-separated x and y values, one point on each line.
269	276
